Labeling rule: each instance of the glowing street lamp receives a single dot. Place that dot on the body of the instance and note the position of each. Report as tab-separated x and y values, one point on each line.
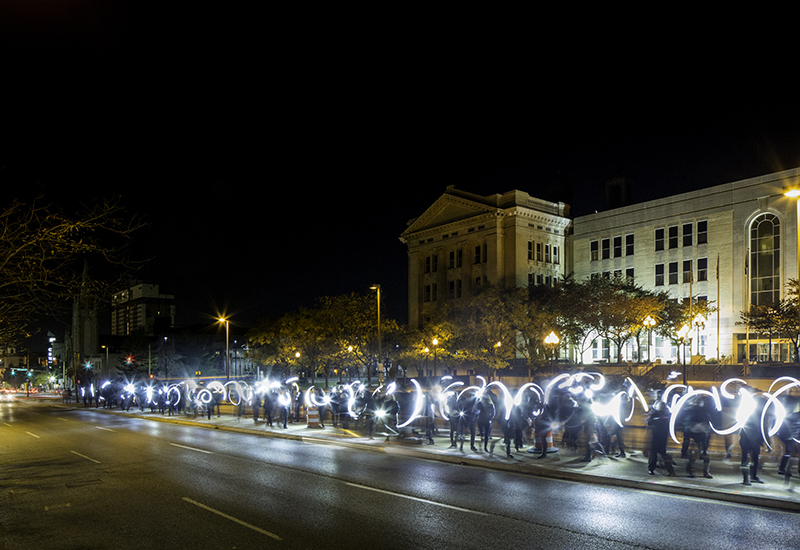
551	341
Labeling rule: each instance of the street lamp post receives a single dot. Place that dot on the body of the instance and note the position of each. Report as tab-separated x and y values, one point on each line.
551	341
227	344
699	323
435	346
682	332
377	287
649	322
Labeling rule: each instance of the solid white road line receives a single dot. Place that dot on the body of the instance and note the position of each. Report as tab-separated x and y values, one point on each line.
106	429
226	516
34	435
418	499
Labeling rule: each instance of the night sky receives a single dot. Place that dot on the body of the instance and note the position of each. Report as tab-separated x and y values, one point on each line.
279	160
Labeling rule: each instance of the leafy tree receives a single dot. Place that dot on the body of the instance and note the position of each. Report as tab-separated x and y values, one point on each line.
619	308
789	315
484	332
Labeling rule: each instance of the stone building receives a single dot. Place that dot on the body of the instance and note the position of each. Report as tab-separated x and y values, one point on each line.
463	241
733	244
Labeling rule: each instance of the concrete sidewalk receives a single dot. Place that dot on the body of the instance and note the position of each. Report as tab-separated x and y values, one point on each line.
631	472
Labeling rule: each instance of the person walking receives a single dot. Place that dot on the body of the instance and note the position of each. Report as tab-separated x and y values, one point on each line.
658	422
789	433
697	427
750	440
453	419
486	412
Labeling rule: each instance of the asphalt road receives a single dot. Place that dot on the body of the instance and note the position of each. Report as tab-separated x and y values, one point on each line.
76	479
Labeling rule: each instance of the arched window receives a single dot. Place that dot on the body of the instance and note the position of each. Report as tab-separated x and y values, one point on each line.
765	255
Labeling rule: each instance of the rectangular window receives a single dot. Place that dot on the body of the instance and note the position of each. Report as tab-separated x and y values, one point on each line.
687	271
431	263
538	252
606	248
702	268
687	234
593	247
478	254
673	273
455	288
456	258
430	293
659	239
617	247
629	273
673	236
629	245
555	255
547	253
659	274
530	250
702	232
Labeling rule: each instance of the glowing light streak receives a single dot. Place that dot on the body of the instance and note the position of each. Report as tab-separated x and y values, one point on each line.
670	389
311	399
552	385
419	402
780	411
204	396
690	393
508	401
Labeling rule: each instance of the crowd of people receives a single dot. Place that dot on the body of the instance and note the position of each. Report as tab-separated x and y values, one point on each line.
589	417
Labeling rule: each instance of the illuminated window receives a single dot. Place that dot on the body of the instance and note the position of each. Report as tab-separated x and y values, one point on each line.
764	264
659	239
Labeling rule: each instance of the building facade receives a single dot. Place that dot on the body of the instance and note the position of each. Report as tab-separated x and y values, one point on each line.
464	241
141	308
733	245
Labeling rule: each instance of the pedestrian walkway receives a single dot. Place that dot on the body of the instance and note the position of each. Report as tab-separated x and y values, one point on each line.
631	472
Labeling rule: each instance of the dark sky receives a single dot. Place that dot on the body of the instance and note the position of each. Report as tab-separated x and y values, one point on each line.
279	159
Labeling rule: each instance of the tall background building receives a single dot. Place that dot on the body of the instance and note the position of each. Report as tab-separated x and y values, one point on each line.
142	308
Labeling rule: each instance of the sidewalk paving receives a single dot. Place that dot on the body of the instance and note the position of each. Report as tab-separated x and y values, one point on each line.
630	472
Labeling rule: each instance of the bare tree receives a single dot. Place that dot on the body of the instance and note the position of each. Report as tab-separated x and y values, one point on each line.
43	250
